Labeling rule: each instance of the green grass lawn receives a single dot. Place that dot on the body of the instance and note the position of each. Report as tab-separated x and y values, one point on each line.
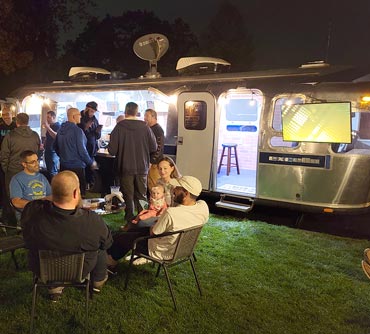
256	278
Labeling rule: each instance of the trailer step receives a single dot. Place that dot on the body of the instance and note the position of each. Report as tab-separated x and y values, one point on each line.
243	207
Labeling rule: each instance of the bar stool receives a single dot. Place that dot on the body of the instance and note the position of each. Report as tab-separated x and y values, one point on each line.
229	155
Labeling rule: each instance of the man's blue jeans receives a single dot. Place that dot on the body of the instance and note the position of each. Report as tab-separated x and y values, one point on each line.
52	162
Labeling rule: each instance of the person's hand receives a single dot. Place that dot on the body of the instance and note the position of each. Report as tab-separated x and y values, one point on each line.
94	165
46	125
88	124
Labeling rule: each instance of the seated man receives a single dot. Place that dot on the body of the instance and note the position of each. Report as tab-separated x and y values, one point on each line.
189	213
62	225
28	184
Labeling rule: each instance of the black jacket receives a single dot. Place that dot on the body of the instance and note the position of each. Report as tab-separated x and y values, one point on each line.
132	142
48	227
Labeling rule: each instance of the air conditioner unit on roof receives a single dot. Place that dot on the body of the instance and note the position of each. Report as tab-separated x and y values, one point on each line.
88	73
198	65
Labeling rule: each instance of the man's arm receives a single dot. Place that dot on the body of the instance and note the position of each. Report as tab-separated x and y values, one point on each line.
81	147
113	142
163	224
152	142
19	203
5	152
50	131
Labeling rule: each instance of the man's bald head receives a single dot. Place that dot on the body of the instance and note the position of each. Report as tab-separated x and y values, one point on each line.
73	115
64	186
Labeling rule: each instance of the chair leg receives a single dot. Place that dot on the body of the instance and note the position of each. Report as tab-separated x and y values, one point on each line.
129	270
34	296
228	161
158	270
195	275
194	257
170	287
236	160
14	260
222	158
88	292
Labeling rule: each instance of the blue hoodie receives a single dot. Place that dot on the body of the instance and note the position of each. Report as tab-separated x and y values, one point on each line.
70	145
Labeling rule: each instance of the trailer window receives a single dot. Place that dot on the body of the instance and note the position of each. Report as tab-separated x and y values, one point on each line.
195	115
277	141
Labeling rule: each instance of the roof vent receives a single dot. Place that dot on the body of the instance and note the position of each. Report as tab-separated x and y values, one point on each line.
88	73
202	65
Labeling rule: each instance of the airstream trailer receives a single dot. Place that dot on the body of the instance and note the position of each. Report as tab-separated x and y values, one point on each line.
286	137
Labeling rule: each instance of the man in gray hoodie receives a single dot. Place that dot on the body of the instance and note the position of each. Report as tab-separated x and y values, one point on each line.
20	139
132	142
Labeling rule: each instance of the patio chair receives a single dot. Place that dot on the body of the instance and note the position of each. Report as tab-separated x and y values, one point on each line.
10	243
58	269
183	252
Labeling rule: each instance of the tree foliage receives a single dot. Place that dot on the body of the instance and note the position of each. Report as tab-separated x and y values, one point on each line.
29	30
227	37
108	43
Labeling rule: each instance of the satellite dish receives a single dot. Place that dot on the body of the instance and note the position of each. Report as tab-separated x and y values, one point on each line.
151	47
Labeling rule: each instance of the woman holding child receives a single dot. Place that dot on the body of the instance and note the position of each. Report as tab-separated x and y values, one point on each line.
167	171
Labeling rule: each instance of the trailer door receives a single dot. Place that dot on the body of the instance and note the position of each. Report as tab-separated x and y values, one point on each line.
196	123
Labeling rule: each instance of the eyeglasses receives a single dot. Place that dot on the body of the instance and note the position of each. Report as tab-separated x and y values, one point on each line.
32	162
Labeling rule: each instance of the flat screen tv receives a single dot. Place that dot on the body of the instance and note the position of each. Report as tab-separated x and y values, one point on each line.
317	122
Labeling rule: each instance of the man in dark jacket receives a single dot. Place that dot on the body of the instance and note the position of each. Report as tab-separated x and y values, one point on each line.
62	226
132	142
6	125
22	138
70	145
150	118
92	130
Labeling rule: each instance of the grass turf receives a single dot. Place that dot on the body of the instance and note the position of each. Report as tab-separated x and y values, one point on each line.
255	277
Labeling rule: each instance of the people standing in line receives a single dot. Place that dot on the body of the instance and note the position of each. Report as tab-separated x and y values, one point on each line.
132	142
61	225
70	145
51	157
6	125
90	126
150	118
189	212
20	139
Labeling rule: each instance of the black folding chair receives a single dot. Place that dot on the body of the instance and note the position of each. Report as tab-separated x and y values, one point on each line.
10	243
58	269
183	252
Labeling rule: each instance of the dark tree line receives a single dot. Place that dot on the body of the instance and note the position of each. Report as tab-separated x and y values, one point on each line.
30	31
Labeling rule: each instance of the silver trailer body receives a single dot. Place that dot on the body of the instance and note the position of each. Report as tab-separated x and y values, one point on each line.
201	113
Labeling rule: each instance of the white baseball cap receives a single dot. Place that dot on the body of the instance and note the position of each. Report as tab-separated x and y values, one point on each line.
190	183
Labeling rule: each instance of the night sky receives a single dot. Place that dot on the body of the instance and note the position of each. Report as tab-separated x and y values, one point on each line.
285	32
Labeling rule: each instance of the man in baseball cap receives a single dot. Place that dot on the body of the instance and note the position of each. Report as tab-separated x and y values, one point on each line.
189	183
189	212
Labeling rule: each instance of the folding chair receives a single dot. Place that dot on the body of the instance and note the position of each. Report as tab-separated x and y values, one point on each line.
58	269
10	243
183	252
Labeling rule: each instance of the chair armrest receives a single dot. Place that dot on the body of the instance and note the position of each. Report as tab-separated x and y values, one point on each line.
137	240
8	226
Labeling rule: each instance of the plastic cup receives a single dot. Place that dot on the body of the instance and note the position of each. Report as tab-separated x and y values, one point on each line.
86	203
114	189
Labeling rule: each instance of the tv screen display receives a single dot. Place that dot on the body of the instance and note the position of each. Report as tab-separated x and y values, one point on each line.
317	122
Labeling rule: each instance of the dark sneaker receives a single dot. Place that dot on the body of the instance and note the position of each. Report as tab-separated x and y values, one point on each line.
55	297
112	271
96	290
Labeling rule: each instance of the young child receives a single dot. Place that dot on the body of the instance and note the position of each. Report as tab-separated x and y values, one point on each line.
157	205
